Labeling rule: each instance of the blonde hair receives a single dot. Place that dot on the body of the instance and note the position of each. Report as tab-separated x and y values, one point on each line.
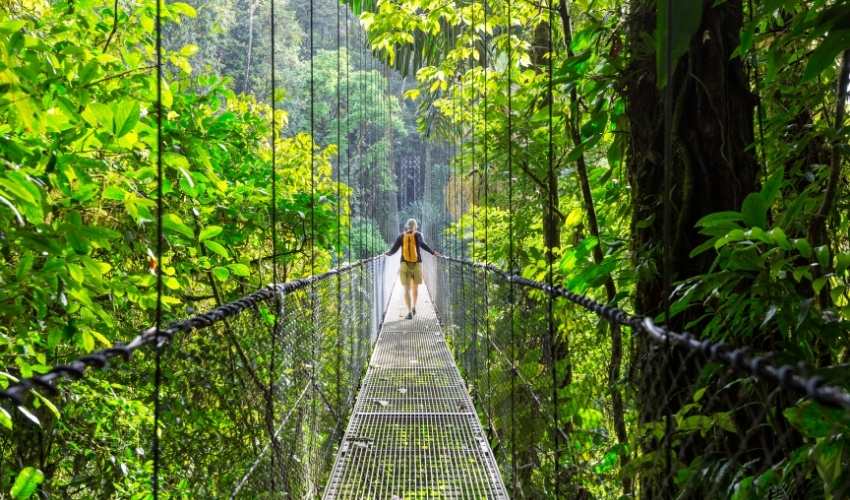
410	225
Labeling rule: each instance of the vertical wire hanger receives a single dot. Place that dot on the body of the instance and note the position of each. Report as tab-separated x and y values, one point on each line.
338	259
668	221
313	301
159	248
460	111
550	277
364	170
312	144
511	265
473	204
348	136
460	208
278	304
351	340
368	84
487	227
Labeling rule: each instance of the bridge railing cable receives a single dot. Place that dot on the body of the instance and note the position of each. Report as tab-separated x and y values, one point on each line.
740	417
216	368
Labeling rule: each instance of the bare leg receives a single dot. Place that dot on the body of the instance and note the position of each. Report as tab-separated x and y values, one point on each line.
407	295
415	289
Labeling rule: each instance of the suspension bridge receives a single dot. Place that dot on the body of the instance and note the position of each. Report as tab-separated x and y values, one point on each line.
500	387
456	403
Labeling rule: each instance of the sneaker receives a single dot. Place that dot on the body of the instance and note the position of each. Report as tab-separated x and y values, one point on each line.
409	316
414	311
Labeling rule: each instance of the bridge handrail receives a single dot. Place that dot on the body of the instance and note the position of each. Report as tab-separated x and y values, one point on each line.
75	369
740	359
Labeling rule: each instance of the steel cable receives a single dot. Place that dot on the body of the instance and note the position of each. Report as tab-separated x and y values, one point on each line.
159	248
511	264
100	359
278	303
550	256
741	359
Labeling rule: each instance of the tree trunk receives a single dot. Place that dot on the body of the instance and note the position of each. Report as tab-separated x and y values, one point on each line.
713	169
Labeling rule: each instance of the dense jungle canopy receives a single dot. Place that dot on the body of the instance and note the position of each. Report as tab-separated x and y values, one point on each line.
529	135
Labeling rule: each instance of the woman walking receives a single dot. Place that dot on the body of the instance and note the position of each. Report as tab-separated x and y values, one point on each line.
411	243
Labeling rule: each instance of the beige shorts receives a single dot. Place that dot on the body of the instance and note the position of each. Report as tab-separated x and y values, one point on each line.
410	271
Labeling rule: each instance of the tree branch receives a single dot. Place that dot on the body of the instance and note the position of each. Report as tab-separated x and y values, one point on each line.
617	406
540	183
119	75
817	233
114	26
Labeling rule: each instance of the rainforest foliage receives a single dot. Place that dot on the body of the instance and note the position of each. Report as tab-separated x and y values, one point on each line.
547	130
568	98
78	199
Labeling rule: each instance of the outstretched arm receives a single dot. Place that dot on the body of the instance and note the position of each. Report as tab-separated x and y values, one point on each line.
395	246
425	246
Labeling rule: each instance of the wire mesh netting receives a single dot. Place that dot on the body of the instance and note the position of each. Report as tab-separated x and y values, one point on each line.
254	402
701	426
414	432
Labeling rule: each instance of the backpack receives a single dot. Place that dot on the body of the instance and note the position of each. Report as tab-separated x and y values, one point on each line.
408	247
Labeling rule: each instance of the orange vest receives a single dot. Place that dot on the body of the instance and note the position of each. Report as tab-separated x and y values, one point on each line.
408	247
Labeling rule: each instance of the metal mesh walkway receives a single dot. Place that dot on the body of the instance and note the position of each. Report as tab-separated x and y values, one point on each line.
414	432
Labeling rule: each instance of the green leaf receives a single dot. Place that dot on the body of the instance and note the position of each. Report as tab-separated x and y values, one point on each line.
836	292
126	116
822	253
13	208
87	340
171	282
744	489
803	247
49	404
113	193
221	273
723	219
703	247
182	8
686	15
754	210
816	421
724	421
240	269
27	482
175	160
167	96
217	248
174	223
842	262
98	115
733	235
17	190
24	266
210	232
818	284
824	56
772	186
779	237
5	419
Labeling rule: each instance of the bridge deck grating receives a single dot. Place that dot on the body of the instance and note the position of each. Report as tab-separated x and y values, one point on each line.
414	432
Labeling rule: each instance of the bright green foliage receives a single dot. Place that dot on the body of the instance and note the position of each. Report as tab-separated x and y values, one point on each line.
77	138
26	483
366	239
77	208
770	287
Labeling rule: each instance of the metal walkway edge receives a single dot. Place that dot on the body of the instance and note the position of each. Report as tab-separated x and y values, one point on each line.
414	432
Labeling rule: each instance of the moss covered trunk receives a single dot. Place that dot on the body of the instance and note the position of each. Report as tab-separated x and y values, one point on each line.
713	169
